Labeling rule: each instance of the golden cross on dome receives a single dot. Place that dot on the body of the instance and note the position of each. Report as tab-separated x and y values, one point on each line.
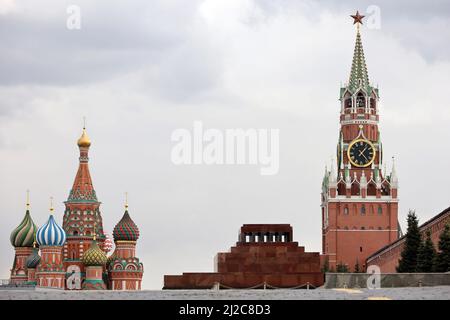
84	122
126	200
28	199
51	204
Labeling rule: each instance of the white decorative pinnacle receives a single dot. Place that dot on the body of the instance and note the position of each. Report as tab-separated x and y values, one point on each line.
333	174
363	180
394	178
348	181
378	180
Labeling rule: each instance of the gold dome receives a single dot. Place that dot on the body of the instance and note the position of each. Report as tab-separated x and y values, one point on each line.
94	256
84	140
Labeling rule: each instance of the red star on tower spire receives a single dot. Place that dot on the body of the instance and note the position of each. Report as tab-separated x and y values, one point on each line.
357	18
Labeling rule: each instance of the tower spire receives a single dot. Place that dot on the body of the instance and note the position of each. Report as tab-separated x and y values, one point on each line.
82	189
359	76
394	178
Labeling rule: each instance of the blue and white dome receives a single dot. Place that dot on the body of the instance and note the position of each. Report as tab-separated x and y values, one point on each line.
51	234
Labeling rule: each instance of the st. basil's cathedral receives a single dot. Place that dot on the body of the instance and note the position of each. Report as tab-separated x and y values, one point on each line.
74	256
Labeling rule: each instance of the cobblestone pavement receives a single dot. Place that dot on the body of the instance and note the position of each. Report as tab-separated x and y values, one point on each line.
423	293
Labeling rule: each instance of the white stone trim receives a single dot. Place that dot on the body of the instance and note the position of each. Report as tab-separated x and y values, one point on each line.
359	121
387	199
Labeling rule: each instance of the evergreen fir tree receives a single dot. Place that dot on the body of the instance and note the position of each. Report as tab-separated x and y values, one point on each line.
326	265
408	260
357	267
341	268
426	254
443	257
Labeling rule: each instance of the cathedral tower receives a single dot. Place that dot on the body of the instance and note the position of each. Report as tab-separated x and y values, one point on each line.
22	239
359	199
51	237
32	262
82	218
94	261
125	271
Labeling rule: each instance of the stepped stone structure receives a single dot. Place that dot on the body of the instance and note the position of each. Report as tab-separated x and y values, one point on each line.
264	256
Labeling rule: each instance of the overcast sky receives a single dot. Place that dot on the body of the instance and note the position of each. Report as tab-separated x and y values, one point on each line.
138	70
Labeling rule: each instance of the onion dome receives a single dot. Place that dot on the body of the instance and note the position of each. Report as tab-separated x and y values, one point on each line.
51	234
107	244
33	259
94	256
84	140
24	234
126	229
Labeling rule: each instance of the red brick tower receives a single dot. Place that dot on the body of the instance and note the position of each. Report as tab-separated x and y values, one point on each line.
359	200
81	216
125	271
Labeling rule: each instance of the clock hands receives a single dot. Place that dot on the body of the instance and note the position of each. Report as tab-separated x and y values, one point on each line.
364	157
361	153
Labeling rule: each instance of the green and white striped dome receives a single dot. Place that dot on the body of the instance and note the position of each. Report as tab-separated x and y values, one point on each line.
25	233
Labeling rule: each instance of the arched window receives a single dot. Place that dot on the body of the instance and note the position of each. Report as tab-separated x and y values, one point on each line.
360	101
347	101
371	189
380	210
346	211
363	210
355	191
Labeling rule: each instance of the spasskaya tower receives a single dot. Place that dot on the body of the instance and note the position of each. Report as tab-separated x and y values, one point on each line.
359	199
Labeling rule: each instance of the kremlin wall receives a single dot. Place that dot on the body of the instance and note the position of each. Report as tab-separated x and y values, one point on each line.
388	256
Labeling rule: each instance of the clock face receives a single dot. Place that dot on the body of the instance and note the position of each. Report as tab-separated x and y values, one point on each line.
361	153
